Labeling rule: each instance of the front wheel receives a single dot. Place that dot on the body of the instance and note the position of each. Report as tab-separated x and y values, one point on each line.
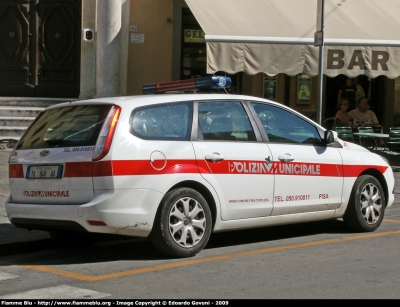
366	206
183	224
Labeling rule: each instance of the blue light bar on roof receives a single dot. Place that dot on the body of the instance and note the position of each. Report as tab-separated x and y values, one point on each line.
216	82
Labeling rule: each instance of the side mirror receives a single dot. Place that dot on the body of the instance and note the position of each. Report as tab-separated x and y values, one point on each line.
329	137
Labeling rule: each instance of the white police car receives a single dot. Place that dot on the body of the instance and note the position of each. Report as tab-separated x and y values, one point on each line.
177	167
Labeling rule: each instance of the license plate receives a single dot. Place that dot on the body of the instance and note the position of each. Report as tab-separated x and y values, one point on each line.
44	172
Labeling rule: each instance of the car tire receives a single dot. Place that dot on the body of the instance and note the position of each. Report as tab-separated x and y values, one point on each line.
72	239
183	224
366	206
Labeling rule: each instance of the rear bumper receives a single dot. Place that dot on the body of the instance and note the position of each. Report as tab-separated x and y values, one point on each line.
126	212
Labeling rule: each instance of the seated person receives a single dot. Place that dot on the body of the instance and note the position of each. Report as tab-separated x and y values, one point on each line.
362	114
342	117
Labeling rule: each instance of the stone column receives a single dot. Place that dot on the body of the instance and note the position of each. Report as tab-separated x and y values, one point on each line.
88	52
124	47
108	48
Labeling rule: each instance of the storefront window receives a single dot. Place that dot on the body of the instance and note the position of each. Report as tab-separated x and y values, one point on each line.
194	57
303	89
194	53
270	87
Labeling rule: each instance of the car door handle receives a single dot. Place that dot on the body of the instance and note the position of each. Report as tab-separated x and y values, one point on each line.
214	157
286	158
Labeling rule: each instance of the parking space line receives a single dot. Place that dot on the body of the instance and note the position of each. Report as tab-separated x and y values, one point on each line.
391	221
56	292
54	271
5	276
90	278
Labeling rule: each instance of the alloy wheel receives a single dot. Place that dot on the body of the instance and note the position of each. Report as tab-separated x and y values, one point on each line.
187	222
371	203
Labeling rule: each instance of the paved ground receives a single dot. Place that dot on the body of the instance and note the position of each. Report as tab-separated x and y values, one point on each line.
322	260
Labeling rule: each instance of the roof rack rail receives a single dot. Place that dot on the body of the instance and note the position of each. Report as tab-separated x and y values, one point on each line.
214	82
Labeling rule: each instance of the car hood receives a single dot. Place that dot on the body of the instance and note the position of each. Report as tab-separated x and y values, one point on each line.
351	146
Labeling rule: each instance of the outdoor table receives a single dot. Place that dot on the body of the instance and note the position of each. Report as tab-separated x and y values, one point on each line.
376	128
373	135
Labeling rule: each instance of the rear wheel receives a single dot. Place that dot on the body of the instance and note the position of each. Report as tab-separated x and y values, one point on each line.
366	206
183	224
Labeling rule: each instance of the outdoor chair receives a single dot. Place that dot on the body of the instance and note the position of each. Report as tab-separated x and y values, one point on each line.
345	133
367	141
394	134
329	123
392	152
393	143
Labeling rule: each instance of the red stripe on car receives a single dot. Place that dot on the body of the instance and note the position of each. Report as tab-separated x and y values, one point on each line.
144	167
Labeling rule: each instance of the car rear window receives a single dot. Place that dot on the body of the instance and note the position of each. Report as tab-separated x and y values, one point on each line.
168	121
65	127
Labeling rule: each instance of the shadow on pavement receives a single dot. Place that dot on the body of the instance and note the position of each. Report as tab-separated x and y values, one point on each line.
111	248
14	240
274	233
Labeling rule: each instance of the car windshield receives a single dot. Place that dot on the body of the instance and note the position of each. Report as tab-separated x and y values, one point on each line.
65	127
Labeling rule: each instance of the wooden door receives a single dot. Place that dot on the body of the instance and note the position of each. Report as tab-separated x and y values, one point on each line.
16	70
59	34
40	48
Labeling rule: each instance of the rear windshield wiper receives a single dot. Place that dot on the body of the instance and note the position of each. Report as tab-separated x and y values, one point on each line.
66	139
83	130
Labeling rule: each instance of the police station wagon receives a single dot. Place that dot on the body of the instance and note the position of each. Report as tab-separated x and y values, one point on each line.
176	167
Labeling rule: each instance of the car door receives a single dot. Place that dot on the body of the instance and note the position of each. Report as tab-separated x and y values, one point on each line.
308	175
231	156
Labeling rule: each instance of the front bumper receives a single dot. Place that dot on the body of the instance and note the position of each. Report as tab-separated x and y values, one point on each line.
389	177
128	212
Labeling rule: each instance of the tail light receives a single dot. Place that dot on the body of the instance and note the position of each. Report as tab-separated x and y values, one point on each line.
106	135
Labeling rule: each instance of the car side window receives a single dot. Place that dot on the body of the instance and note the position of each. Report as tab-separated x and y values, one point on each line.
225	121
168	121
283	126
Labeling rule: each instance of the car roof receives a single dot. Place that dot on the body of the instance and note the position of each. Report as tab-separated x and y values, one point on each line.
140	100
144	100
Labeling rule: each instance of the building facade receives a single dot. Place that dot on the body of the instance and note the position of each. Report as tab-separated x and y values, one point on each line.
80	49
